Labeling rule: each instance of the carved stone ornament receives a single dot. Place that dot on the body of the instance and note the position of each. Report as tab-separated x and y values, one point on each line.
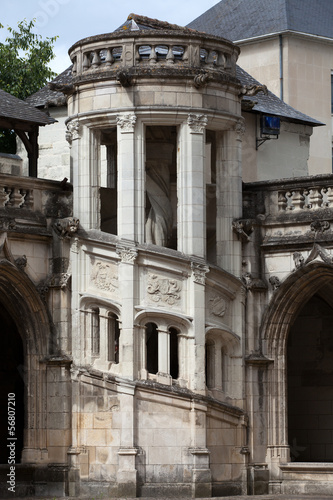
21	262
275	282
73	131
199	272
240	129
318	251
127	254
319	226
218	306
163	289
251	90
103	276
197	123
59	280
124	78
201	79
126	123
298	259
65	228
243	229
253	283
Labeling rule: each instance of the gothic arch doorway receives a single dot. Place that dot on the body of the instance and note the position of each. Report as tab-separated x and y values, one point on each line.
12	383
307	290
310	383
25	335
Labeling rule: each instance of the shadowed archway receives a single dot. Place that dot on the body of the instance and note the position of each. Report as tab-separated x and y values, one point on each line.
313	279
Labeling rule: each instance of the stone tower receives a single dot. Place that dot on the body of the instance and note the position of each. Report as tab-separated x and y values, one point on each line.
155	130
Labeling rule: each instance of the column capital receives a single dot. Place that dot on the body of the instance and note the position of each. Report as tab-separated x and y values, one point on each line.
199	271
127	254
73	131
197	123
126	122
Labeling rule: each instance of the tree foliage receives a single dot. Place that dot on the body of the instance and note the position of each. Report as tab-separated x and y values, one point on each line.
24	68
24	60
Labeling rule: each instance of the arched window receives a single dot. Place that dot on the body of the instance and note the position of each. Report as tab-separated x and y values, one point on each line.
210	364
152	348
113	338
95	331
174	361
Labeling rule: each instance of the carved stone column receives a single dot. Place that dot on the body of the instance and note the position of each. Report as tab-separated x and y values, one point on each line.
127	280
192	187
201	473
130	180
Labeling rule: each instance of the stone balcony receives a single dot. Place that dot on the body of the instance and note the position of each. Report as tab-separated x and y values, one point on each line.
169	50
291	212
27	203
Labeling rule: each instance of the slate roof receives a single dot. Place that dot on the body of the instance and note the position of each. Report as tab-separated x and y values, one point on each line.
271	104
46	97
242	19
16	110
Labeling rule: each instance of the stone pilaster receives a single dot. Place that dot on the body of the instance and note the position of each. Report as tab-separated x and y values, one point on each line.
229	198
192	187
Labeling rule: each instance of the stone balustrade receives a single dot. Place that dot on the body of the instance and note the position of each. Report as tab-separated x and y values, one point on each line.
153	49
35	195
291	195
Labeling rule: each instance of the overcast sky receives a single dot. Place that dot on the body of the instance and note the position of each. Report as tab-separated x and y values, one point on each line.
72	20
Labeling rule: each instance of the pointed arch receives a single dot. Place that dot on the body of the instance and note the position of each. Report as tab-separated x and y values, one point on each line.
21	300
313	278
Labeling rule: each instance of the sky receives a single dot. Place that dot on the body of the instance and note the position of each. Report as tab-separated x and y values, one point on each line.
72	20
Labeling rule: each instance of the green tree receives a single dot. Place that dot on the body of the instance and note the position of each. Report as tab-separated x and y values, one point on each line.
24	68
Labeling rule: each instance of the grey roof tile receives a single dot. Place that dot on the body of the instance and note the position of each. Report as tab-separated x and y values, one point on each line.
271	104
15	109
241	19
46	97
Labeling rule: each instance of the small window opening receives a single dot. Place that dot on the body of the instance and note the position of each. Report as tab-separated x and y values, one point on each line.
210	365
113	338
152	348
174	361
108	182
95	332
161	186
210	173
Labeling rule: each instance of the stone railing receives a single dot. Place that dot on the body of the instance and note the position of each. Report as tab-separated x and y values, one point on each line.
153	49
35	195
305	194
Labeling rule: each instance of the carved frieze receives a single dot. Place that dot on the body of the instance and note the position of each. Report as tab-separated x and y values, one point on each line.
103	276
319	226
164	290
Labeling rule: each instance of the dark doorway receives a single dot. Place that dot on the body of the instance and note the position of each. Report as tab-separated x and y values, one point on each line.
310	383
12	383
